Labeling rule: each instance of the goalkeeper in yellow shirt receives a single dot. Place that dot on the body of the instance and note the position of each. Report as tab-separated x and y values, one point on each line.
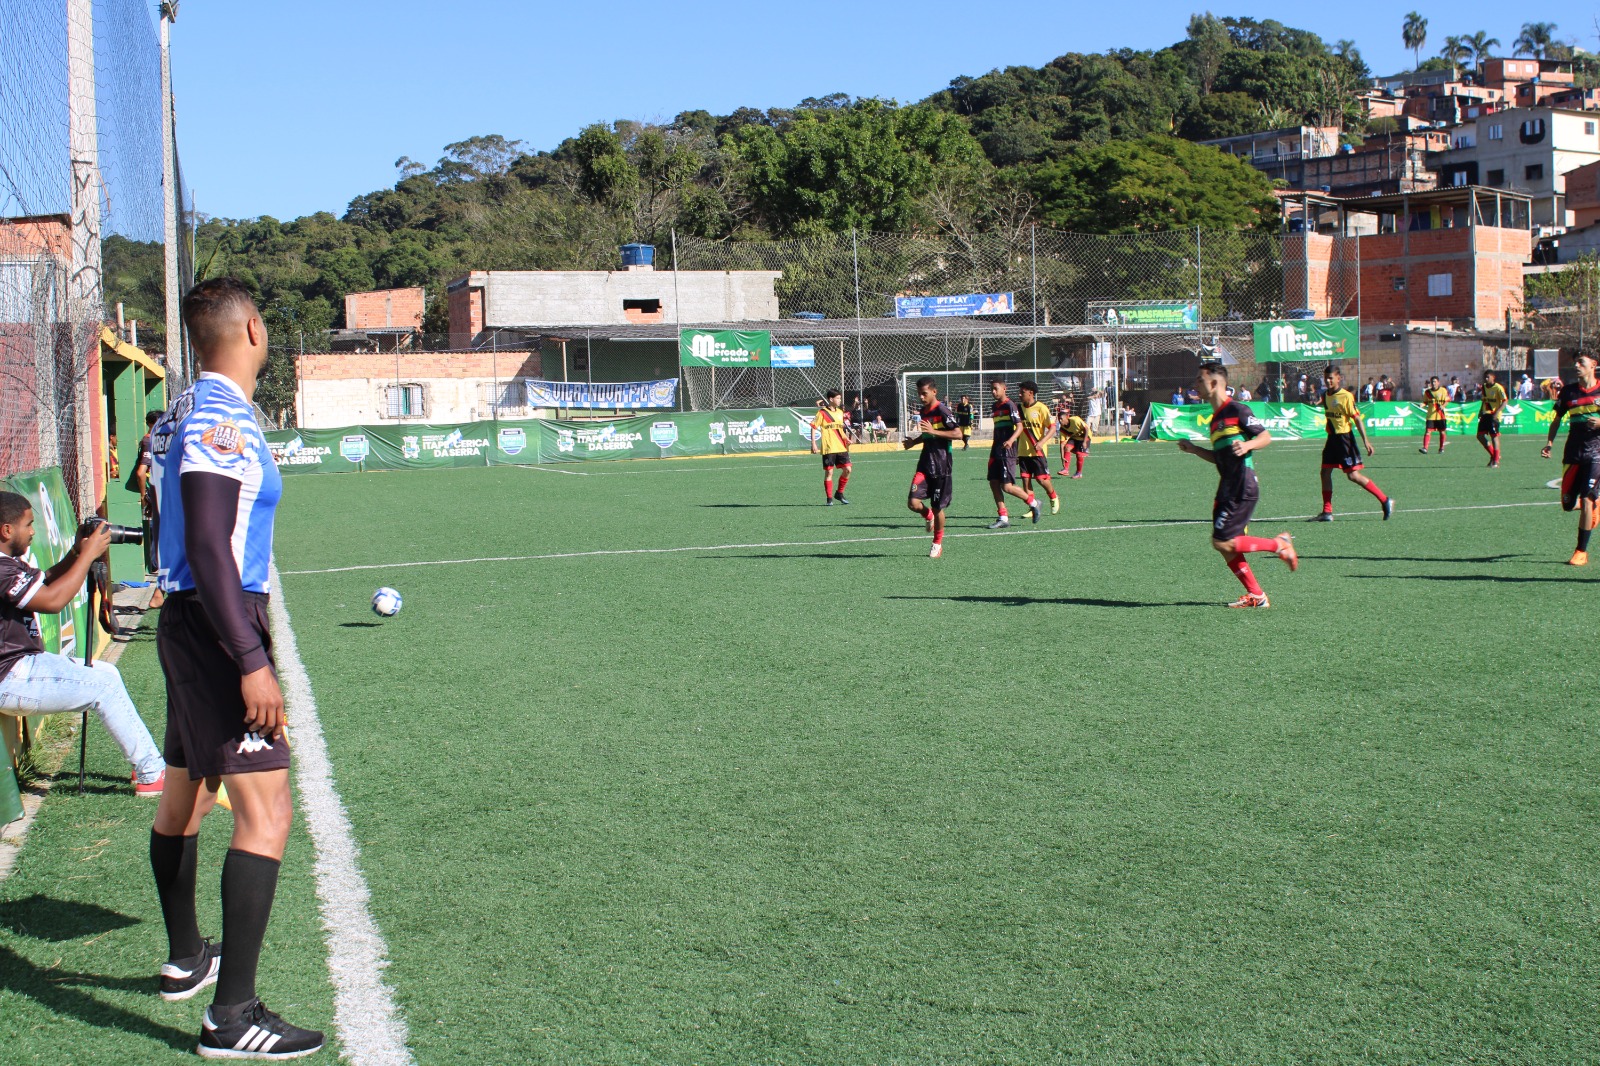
1340	452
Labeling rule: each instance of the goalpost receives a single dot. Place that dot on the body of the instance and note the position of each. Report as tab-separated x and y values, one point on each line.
1092	393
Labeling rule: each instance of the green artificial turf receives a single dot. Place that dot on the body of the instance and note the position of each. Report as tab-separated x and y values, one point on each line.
81	938
812	797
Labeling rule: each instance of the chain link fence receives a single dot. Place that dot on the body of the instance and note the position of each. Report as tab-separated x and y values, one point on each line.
80	158
1070	296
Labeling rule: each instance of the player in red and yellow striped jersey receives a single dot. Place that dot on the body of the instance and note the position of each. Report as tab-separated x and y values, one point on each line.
1033	450
1494	399
1579	403
833	434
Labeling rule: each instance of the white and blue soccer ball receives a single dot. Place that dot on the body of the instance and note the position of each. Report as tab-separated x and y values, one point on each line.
386	602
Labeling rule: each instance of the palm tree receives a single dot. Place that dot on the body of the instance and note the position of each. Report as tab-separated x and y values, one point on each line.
1481	44
1456	50
1415	34
1535	39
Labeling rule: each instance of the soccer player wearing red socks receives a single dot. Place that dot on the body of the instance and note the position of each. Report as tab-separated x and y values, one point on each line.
1236	432
1340	452
1494	399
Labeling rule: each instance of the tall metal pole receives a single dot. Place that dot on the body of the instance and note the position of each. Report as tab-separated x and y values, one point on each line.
861	371
1033	264
169	200
1199	288
85	288
677	323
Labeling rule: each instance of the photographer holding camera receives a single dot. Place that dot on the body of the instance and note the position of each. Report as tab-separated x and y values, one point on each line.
34	681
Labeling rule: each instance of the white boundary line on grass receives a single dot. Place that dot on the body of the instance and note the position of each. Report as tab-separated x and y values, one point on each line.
369	1024
545	468
860	540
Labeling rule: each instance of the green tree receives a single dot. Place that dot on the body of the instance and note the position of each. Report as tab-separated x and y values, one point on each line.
1536	39
1414	32
1207	43
1155	183
1482	45
860	167
1456	51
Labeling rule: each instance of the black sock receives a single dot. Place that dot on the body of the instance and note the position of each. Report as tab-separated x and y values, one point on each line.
1583	539
172	860
248	885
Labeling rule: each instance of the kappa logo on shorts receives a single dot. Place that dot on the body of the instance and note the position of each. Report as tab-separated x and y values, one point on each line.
252	743
224	438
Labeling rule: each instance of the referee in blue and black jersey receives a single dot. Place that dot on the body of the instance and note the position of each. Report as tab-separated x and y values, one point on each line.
216	490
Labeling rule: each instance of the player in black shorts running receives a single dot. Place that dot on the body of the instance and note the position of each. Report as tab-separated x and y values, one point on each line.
1007	418
1579	403
1235	433
932	487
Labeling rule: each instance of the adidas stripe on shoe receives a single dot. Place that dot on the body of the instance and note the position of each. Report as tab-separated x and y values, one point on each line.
182	978
251	1031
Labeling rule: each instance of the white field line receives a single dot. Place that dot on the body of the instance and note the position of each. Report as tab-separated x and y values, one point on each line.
860	540
544	468
369	1024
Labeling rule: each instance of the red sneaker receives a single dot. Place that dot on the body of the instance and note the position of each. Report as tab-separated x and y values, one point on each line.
151	789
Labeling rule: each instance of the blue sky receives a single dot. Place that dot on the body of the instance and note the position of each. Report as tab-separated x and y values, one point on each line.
293	107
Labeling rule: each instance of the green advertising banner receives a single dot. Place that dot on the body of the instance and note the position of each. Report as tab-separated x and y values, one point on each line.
1311	340
1144	314
413	447
725	348
1298	421
55	526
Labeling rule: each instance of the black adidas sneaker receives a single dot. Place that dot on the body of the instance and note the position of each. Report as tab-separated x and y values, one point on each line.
251	1031
182	978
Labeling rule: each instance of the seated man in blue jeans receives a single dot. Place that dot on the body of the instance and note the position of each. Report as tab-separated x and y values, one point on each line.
34	681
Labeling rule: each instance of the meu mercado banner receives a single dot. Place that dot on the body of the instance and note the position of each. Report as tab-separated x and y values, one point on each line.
725	348
1317	340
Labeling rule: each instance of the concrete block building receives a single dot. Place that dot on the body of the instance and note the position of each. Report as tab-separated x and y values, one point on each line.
371	388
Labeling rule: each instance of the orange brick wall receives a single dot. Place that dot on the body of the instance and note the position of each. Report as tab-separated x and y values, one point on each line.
1483	285
466	311
482	363
1583	195
384	309
25	237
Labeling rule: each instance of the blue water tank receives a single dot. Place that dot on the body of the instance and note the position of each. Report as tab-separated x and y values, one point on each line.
638	255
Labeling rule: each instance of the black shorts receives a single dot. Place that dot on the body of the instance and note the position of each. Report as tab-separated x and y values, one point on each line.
934	482
1078	447
1230	515
206	733
1003	466
836	459
1580	481
1340	452
1034	466
1437	423
1489	425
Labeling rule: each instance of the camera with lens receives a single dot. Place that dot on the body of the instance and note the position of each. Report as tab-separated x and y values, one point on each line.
119	534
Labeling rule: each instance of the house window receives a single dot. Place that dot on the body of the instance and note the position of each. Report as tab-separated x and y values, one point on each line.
1532	131
1588	129
1495	132
405	401
1497	178
1398	284
1439	285
1533	172
1459	178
